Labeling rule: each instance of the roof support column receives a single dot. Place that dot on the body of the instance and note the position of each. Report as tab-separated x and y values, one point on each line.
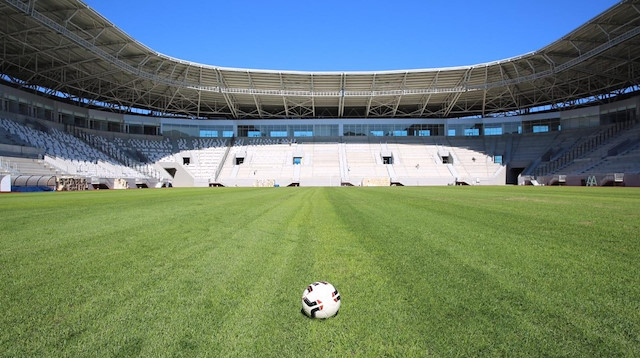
341	100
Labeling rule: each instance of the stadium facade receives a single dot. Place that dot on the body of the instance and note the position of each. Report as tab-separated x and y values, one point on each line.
566	113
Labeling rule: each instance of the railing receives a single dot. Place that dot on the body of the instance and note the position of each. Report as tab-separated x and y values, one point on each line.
8	167
224	159
582	148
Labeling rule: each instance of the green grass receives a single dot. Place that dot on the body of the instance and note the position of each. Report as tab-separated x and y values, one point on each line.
442	271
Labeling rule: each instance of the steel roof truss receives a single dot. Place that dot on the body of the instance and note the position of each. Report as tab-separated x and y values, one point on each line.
230	103
456	95
404	86
341	100
255	98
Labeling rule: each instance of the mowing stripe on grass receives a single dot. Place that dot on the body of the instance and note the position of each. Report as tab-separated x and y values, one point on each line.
445	271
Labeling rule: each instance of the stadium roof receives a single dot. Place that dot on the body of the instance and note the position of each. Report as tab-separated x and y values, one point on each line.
66	49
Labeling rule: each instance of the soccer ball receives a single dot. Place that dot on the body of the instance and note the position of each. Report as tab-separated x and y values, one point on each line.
320	300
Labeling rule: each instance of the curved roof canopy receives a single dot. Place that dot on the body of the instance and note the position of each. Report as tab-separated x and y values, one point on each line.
65	48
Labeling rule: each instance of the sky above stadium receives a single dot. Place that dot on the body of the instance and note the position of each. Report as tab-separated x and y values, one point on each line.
347	35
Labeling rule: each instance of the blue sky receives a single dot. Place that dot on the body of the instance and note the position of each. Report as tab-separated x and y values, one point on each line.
347	35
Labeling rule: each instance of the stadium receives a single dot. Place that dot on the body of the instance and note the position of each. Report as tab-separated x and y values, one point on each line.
453	208
564	114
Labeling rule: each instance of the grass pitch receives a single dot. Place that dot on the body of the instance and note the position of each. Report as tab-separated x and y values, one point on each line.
441	271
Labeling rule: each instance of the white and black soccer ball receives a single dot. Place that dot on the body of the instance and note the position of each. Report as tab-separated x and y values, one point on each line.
320	300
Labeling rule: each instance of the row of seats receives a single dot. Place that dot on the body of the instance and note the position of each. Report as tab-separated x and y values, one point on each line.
69	155
55	142
199	143
594	151
271	141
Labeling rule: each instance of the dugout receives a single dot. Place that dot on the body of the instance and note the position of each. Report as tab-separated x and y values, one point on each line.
33	183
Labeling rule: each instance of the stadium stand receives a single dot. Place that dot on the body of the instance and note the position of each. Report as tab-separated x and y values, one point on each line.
65	155
102	159
589	149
